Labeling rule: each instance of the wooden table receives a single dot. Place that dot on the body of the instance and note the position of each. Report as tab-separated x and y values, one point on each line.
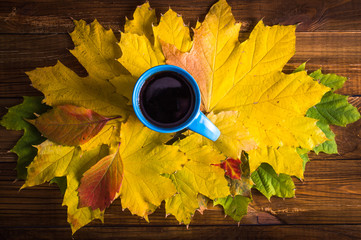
328	203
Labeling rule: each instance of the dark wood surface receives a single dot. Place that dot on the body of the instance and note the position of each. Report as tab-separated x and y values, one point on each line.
328	201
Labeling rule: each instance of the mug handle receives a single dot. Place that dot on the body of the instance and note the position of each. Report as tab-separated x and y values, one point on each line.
202	125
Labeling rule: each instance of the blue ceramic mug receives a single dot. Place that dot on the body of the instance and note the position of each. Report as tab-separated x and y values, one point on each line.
167	99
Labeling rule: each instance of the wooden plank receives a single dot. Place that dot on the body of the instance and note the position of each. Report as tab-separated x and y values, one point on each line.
21	53
338	53
329	194
285	232
348	138
334	53
44	16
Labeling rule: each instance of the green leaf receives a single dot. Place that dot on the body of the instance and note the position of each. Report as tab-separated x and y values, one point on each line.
332	81
61	182
303	153
334	109
270	184
330	145
235	207
15	120
300	68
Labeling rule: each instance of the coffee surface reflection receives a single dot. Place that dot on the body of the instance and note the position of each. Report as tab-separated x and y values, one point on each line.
167	99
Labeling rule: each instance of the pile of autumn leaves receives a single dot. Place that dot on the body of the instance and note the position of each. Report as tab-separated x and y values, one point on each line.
95	148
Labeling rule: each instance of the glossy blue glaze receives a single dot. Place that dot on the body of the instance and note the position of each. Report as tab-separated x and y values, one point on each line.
197	122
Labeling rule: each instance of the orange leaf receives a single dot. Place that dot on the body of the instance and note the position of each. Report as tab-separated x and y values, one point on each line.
210	60
100	185
232	167
70	125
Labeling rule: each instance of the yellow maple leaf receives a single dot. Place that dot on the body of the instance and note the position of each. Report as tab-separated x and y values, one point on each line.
172	30
96	49
214	42
172	33
51	161
234	136
282	159
137	38
138	54
138	51
145	158
143	20
274	107
124	84
62	86
246	78
197	176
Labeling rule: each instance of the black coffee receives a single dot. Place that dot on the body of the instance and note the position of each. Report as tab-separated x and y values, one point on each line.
167	99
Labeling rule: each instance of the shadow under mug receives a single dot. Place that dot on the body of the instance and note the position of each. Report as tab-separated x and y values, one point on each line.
196	121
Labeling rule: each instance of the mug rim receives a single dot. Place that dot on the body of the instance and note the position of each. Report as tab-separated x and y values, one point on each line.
140	83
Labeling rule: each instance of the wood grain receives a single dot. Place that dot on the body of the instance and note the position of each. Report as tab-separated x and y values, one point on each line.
50	16
21	53
278	232
328	194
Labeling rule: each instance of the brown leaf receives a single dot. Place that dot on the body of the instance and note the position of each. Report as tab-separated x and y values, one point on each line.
100	185
70	125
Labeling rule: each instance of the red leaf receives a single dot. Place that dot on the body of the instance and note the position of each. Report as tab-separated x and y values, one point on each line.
70	125
232	167
101	183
